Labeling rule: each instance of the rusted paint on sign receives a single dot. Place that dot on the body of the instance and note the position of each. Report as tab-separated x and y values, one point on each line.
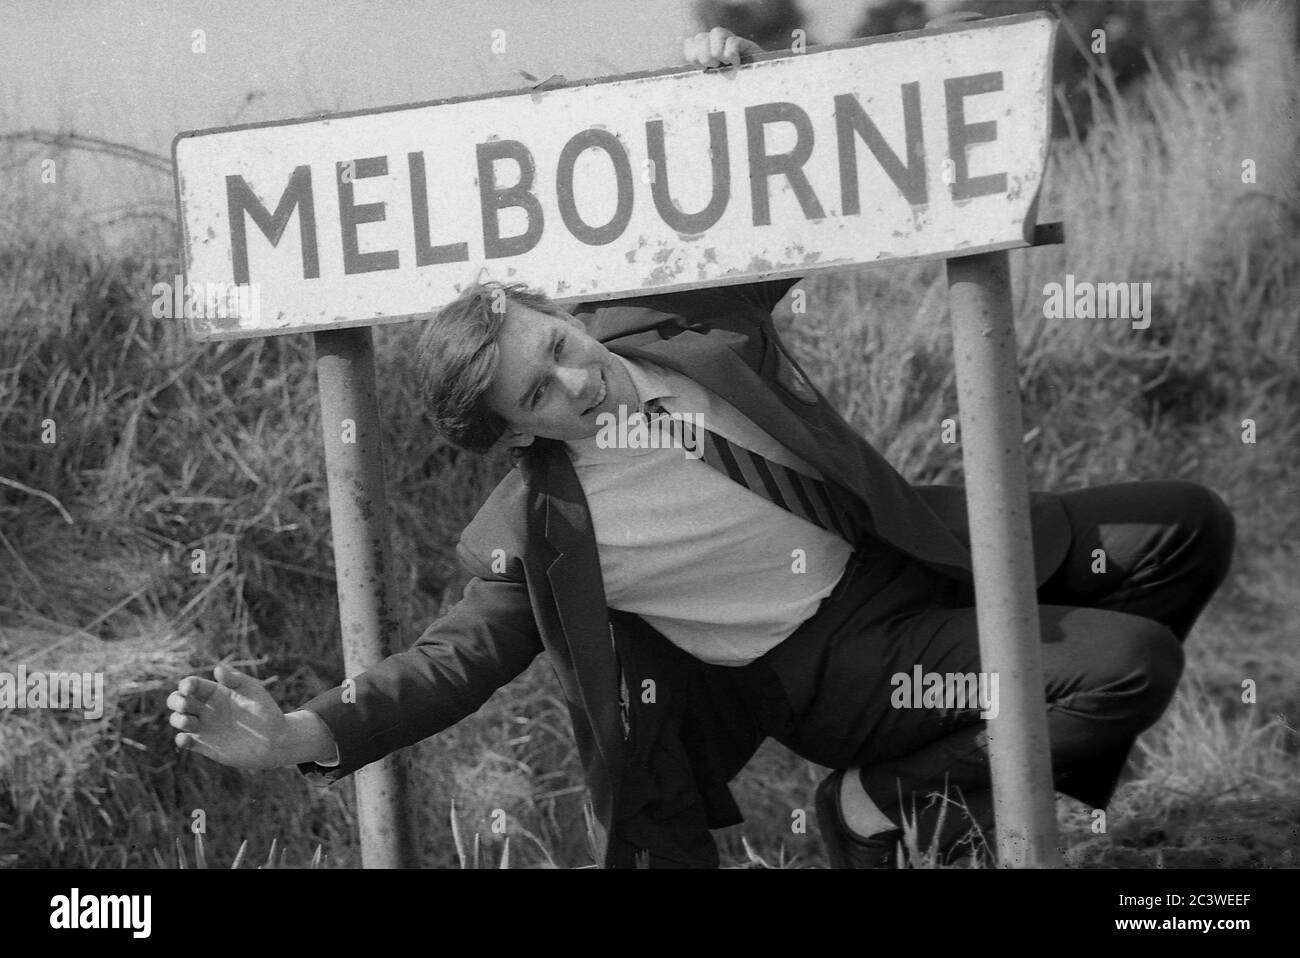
916	145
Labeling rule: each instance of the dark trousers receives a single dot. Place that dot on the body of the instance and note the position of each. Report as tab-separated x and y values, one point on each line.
1112	655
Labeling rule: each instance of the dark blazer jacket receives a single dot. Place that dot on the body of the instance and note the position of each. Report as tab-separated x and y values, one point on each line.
657	772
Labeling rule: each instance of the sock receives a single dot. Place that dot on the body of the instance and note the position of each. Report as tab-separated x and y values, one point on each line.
863	817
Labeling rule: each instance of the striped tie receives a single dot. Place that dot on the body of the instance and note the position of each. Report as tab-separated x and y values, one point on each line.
821	503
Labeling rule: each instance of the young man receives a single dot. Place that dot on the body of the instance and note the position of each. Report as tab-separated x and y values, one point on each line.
778	584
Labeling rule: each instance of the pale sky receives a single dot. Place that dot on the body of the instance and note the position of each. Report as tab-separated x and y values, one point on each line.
129	68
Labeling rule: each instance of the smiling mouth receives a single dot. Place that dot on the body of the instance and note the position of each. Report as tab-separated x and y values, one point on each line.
600	396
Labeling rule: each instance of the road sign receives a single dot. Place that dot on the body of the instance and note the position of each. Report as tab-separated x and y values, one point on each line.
916	145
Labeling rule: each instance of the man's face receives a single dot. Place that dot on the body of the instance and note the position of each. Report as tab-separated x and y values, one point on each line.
553	379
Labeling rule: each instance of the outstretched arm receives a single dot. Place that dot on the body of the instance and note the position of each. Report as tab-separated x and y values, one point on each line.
481	644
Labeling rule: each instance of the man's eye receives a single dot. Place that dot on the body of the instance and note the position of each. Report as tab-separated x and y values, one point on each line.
559	348
555	353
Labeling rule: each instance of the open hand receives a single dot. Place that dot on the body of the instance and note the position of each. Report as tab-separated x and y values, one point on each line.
233	720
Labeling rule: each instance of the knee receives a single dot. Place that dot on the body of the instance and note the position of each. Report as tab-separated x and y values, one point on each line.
1211	526
1151	668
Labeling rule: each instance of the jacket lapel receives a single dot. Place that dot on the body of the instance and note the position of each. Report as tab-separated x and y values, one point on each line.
559	518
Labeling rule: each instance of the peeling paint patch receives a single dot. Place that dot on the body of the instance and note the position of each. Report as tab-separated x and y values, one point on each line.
222	322
663	275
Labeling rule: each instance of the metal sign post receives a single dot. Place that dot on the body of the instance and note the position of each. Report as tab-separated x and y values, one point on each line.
354	474
929	144
997	495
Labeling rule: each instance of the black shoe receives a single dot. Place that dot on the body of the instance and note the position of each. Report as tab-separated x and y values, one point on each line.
844	848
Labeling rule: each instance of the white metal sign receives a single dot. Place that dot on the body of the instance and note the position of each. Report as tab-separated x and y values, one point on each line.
926	144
